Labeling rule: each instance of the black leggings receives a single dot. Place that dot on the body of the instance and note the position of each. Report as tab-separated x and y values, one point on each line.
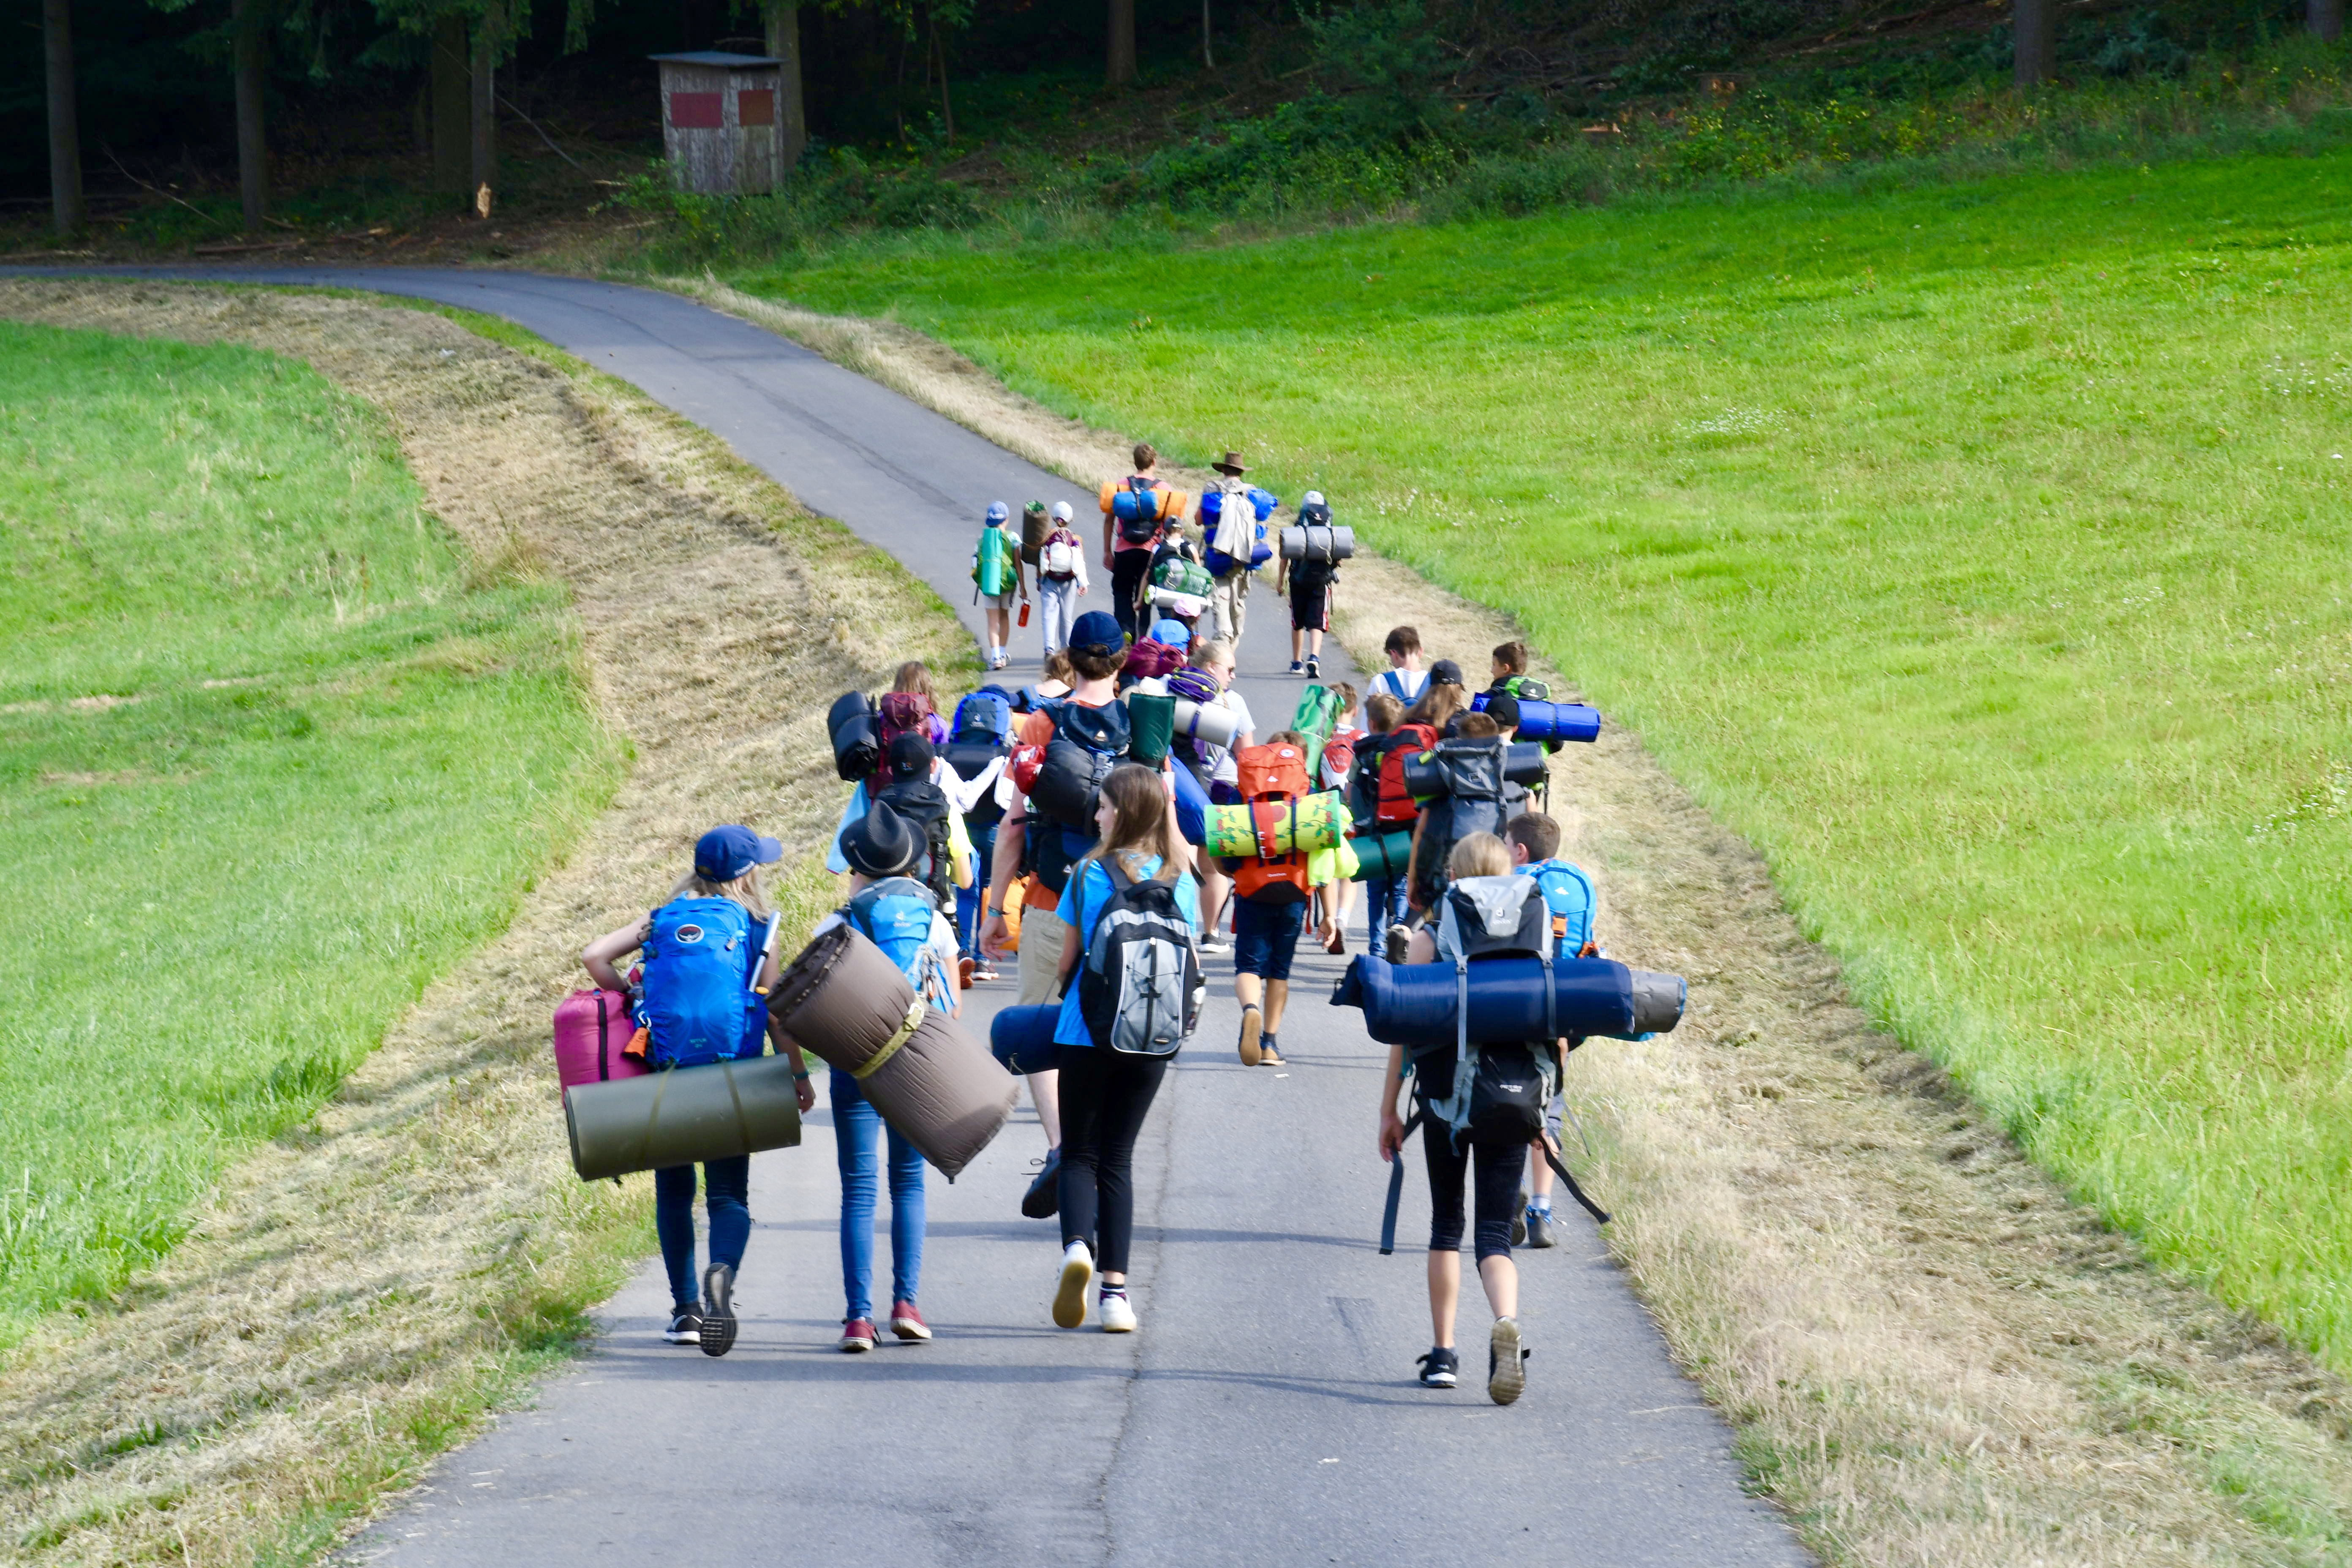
1128	570
1497	1187
1106	1094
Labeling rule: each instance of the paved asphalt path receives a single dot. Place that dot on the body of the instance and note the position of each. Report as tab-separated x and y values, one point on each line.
1267	1411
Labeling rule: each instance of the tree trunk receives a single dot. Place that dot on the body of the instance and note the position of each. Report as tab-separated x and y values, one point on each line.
453	110
946	106
1210	59
250	47
484	123
2037	41
65	123
1119	62
791	110
2325	18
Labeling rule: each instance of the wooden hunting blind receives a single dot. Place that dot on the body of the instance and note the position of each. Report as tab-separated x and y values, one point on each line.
719	121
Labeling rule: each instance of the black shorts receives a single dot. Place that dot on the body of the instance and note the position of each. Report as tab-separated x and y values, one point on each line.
1310	608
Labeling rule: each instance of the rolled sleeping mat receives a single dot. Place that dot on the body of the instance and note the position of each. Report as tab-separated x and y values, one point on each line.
1413	1004
1318	541
1034	527
590	1028
1383	856
857	739
1022	1038
683	1115
1556	722
1151	727
1269	828
1184	606
1192	806
1215	726
1523	763
1319	712
842	999
940	1089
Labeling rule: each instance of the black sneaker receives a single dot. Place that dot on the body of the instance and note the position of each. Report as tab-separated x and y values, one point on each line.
685	1326
1519	1223
1507	1373
718	1310
1314	669
1539	1228
1440	1368
1043	1198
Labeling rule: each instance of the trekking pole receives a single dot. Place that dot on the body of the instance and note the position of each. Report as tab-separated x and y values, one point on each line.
1551	1158
767	951
1396	1189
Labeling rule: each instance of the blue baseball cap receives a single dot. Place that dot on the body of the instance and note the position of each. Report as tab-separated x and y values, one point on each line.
1171	634
726	853
998	514
1097	632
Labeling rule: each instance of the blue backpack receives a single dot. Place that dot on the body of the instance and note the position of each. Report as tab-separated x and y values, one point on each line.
1569	892
700	963
986	713
895	915
1213	511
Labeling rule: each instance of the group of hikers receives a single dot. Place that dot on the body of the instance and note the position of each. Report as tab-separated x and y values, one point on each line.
1043	824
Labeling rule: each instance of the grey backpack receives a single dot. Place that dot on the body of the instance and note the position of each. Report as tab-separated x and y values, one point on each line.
1141	989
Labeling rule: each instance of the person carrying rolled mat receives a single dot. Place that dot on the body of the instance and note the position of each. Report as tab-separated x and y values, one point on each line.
1105	1092
1098	650
894	911
908	761
1271	897
998	573
1489	1166
1128	560
1310	585
719	906
1216	660
1061	577
1534	841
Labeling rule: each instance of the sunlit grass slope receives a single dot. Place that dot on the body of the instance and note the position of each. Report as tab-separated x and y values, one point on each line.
274	750
1980	552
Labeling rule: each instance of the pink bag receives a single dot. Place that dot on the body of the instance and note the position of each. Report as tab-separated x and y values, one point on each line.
591	1028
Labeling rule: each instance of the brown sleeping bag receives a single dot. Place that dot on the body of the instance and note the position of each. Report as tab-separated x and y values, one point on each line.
845	1001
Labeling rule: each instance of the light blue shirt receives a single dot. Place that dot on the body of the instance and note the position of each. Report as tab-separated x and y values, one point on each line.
1082	904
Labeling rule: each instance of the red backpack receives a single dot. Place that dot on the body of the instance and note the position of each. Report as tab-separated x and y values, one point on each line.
1271	778
905	713
1404	741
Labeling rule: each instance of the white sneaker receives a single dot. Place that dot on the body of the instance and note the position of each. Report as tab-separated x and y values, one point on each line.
1078	1273
1118	1315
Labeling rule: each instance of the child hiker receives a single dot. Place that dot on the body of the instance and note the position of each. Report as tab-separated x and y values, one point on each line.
1061	578
1271	896
1534	841
1310	585
997	574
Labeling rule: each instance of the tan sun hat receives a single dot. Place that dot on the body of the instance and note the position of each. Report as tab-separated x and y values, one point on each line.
1232	466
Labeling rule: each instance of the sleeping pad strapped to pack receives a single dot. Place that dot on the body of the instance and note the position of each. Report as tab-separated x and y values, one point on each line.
844	1000
1413	1004
856	731
1460	785
1022	1038
1550	721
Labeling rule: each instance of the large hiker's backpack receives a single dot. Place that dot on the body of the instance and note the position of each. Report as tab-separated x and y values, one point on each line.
983	732
1059	555
1272	775
1471	800
1525	686
1141	989
1396	803
895	915
925	807
1235	527
993	571
1087	742
904	714
1498	1091
1137	508
1181	574
1568	893
700	961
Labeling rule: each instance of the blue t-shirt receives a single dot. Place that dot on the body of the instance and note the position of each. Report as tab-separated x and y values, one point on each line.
1082	904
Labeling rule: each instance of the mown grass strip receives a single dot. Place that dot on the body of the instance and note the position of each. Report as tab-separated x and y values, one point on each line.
1976	549
274	750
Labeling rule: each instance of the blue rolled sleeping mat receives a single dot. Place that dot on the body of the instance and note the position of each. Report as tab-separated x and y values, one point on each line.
1555	721
1022	1038
1411	1005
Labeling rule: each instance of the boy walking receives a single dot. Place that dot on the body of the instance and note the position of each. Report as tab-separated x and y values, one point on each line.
1310	585
1405	679
997	574
1128	560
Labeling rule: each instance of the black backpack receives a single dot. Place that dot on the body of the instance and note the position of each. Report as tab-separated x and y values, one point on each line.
925	807
1473	801
1140	990
1087	742
1496	1092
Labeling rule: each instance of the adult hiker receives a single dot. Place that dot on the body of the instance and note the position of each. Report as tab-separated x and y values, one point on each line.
1043	850
1271	895
1236	550
891	908
1310	583
1476	1129
1128	544
997	574
707	961
1214	660
1061	578
1533	839
1405	679
1133	979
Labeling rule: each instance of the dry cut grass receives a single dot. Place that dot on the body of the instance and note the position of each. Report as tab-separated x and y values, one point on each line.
356	1296
1932	1354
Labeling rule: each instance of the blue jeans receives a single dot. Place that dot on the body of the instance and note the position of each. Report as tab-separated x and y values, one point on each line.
1384	902
1264	938
969	899
857	1131
725	1185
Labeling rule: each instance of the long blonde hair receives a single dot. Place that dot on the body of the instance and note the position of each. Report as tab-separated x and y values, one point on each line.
1139	827
746	890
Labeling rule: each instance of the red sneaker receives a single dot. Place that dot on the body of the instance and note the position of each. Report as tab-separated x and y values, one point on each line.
857	1334
908	1323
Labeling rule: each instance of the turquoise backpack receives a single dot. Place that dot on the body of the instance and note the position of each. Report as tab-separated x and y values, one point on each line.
1568	891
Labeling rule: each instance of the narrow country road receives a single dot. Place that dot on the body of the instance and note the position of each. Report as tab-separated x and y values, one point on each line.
1265	1414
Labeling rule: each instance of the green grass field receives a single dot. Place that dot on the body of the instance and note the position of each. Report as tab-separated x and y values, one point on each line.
274	752
1978	551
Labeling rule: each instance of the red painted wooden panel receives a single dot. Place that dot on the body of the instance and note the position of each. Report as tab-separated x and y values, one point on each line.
755	106
694	110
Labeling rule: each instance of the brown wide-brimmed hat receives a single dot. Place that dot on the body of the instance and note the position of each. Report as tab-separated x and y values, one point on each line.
1232	465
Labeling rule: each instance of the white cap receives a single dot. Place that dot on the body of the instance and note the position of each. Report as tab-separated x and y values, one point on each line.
1312	498
1062	512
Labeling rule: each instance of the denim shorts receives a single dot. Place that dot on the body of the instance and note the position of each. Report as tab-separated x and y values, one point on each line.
1264	936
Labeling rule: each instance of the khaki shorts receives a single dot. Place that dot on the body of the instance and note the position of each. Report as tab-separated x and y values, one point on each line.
1042	932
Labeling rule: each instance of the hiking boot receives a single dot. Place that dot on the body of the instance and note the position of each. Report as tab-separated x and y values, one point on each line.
718	1310
1267	1056
1314	669
685	1326
1400	942
1253	1026
1070	1299
1519	1223
1506	1375
1043	1198
1440	1368
857	1335
908	1323
1539	1228
1118	1314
